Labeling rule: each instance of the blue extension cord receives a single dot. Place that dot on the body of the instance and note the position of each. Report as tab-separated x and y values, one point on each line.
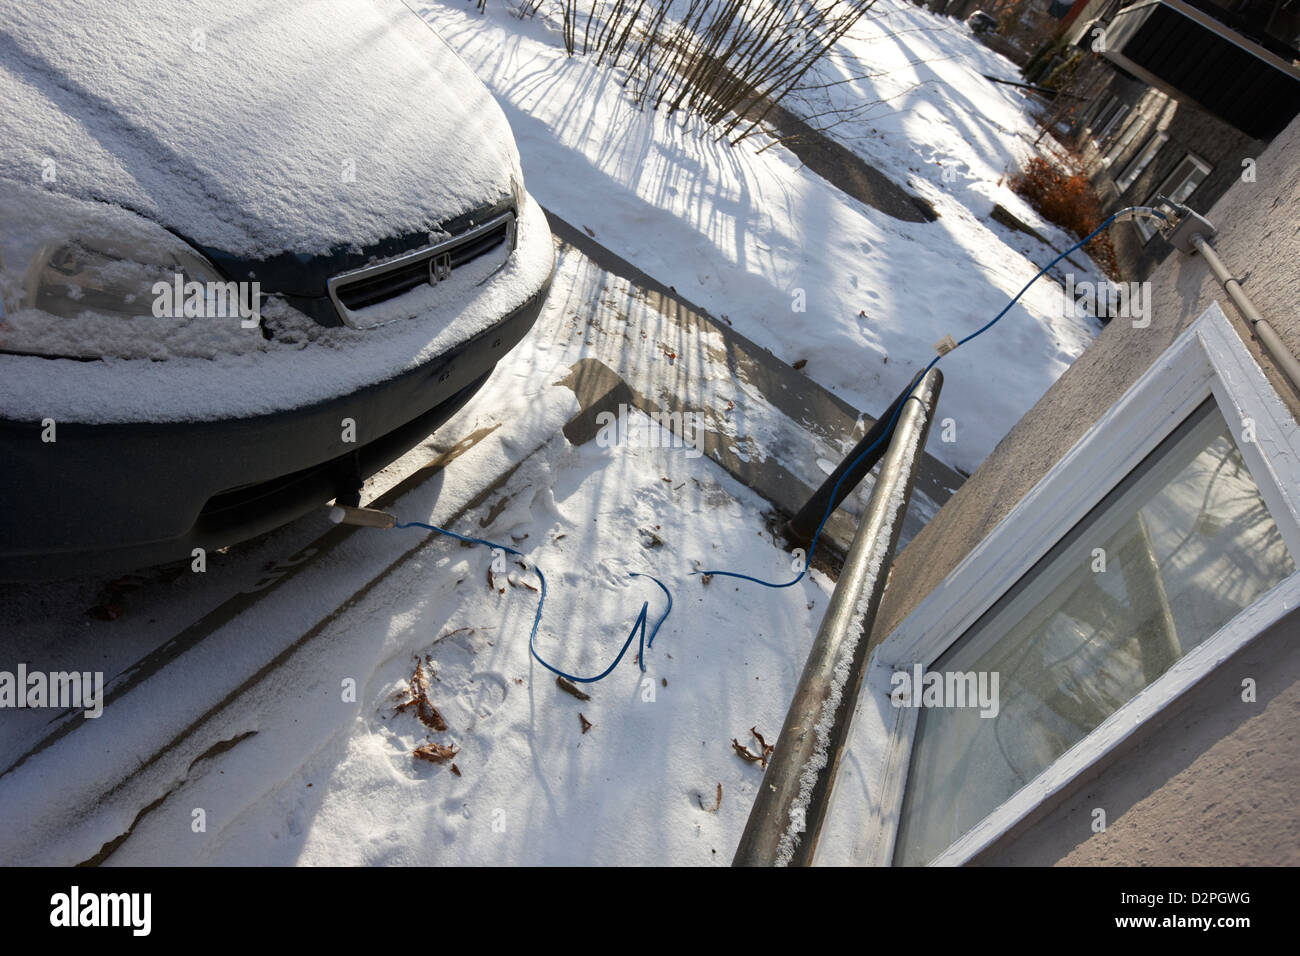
889	429
640	624
541	601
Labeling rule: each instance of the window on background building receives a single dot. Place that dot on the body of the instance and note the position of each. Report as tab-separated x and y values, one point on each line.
1135	126
1141	161
1178	186
1109	119
1099	112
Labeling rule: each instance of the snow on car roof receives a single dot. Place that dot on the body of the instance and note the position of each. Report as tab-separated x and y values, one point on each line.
255	128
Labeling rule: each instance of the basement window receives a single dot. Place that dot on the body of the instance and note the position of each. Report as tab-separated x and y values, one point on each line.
1143	160
1164	541
1178	186
1180	548
1110	118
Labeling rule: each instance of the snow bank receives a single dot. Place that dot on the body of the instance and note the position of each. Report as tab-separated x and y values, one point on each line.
753	236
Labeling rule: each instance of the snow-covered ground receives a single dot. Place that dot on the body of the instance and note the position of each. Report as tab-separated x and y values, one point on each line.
291	741
327	782
316	778
740	231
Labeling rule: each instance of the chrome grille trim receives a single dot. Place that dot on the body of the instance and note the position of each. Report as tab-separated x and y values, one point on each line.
444	252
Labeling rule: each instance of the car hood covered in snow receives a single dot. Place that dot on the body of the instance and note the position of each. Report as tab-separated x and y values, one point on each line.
250	127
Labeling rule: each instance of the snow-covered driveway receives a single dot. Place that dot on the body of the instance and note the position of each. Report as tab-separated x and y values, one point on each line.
265	692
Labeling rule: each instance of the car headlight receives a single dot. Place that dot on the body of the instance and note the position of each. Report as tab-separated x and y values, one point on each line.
98	276
89	280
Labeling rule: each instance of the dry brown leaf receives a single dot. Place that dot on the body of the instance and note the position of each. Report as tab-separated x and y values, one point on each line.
435	753
767	748
571	688
743	751
418	700
717	803
586	724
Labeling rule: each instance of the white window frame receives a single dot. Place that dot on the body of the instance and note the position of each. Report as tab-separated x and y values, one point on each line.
1207	360
1136	124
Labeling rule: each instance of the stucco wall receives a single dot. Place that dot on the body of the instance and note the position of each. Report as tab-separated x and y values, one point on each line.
1259	238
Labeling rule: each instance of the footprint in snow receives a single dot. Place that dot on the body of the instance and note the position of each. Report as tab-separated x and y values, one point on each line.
486	691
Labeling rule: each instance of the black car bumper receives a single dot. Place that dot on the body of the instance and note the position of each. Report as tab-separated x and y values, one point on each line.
104	499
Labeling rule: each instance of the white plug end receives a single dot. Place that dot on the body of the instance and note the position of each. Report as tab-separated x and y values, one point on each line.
945	345
364	517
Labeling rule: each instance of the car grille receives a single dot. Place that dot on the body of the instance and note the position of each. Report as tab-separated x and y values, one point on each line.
355	290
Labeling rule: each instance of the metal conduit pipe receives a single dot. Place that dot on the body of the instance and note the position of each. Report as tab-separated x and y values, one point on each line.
1266	334
788	813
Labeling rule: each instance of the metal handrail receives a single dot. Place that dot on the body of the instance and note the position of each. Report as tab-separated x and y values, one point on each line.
857	464
786	819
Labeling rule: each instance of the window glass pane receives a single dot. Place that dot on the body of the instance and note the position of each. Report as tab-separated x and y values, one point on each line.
1109	118
1187	543
1130	133
1143	160
1112	122
1187	177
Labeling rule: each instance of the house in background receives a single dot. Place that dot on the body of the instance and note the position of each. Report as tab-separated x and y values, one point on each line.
1023	25
1178	99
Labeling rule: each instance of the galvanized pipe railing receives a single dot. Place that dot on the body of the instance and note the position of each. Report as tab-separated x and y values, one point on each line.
788	813
800	529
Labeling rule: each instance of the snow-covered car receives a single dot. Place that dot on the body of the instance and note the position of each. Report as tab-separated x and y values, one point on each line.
981	22
249	254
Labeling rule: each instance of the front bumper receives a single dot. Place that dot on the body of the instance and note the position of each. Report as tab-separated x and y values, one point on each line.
108	498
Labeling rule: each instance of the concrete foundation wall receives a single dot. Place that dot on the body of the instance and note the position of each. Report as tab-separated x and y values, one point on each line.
1259	239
